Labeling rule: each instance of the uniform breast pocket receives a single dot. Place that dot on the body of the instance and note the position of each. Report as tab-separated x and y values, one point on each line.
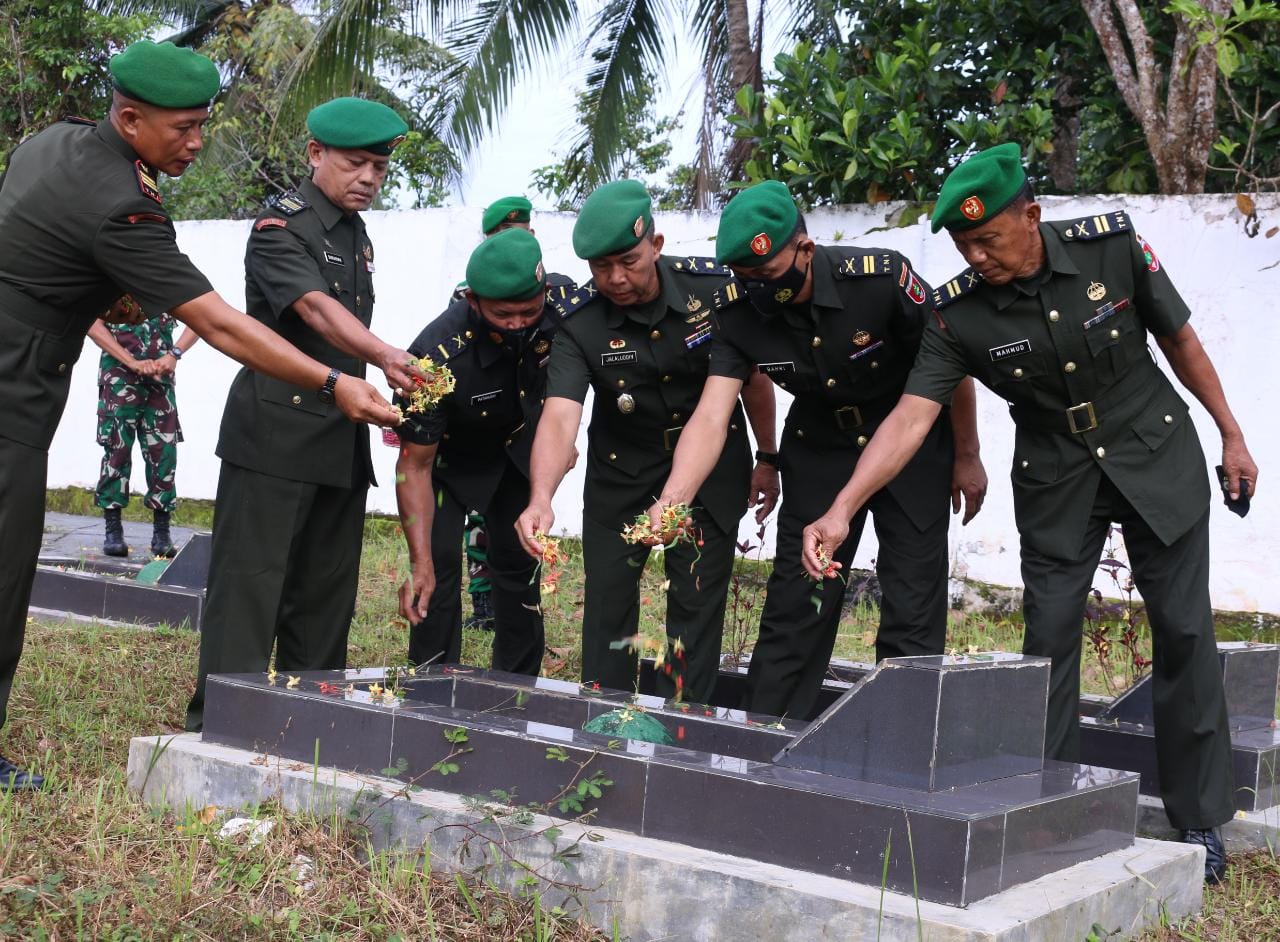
864	362
1114	339
1014	380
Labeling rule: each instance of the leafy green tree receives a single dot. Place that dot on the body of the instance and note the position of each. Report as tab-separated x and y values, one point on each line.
645	154
53	63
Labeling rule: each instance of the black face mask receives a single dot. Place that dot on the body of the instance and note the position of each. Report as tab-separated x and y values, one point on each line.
770	297
516	339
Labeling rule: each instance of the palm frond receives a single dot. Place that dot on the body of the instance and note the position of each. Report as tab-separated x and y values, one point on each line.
183	13
626	45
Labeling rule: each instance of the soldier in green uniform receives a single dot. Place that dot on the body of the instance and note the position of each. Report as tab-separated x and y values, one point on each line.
472	451
838	328
136	402
639	334
291	492
1054	317
81	222
509	212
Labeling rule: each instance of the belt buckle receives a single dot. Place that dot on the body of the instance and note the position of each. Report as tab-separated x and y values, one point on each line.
669	436
1085	408
854	421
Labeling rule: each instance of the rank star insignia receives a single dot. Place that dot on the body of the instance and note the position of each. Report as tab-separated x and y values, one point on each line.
861	338
761	244
617	343
693	305
1096	291
783	296
973	209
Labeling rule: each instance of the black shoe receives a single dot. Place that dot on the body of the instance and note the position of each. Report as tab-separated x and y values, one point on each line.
14	779
114	544
1215	854
161	544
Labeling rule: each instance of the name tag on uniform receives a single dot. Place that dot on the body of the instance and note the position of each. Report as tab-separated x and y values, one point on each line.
613	359
485	397
333	259
1108	310
1006	350
865	350
781	366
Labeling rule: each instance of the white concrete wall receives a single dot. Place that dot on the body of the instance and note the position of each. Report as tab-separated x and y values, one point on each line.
1230	281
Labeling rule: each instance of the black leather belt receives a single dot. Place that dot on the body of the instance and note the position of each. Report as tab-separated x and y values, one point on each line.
1089	415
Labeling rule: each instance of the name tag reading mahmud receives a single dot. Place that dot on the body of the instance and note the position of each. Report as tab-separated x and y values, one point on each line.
613	359
1006	350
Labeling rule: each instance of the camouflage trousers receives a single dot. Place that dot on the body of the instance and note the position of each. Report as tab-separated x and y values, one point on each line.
153	423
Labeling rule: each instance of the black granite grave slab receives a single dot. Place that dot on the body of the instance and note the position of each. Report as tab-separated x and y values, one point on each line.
965	842
1122	736
932	723
115	598
190	567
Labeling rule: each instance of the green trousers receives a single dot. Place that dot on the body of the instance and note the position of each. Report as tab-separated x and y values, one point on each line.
696	596
283	571
797	637
1193	742
22	482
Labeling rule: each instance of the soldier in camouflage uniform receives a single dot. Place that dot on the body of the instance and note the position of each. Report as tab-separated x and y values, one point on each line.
136	401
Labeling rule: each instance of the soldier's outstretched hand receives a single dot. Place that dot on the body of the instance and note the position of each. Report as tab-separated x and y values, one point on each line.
416	591
360	402
534	522
401	369
821	539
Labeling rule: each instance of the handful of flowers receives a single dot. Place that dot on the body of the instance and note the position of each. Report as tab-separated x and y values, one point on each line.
552	557
829	568
439	382
674	524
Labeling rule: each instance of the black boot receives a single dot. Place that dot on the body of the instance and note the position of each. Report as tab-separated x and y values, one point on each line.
481	611
161	544
114	544
1215	854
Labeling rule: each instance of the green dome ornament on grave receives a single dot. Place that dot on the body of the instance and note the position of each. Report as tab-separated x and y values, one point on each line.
630	723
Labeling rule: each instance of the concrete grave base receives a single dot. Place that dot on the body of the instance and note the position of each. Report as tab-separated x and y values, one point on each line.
649	889
1248	830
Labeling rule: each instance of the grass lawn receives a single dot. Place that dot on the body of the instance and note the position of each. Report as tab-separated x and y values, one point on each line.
85	860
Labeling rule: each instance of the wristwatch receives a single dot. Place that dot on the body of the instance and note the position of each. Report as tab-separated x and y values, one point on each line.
768	457
176	351
330	384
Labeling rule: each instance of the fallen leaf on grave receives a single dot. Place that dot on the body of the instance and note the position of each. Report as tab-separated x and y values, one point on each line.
1272	231
258	760
293	682
207	814
297	767
1244	203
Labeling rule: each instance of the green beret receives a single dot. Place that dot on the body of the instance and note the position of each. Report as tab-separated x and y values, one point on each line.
507	209
357	124
165	75
980	188
507	266
756	225
613	219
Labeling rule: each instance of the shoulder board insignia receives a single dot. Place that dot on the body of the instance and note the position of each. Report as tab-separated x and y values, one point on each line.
857	264
290	203
449	345
269	221
962	284
578	298
1093	227
700	265
559	293
727	293
147	181
76	119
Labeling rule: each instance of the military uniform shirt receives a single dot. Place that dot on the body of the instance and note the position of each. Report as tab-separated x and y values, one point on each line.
81	223
845	357
299	244
647	365
496	402
1066	348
